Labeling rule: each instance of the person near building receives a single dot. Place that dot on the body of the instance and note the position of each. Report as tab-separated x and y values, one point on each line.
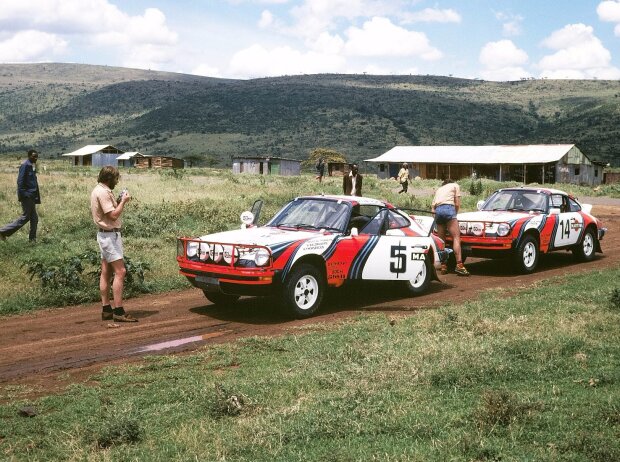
29	196
106	210
403	178
352	182
445	206
320	169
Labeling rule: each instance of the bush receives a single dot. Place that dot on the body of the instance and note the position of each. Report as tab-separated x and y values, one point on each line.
614	299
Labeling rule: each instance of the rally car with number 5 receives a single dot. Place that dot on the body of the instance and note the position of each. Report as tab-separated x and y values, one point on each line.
523	223
312	243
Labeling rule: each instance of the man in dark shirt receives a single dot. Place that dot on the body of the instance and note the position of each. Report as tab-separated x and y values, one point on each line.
352	183
28	195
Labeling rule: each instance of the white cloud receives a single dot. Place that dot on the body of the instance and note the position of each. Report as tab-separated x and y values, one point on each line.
326	43
579	54
257	61
511	24
502	60
379	37
609	11
432	15
28	46
93	23
206	70
266	19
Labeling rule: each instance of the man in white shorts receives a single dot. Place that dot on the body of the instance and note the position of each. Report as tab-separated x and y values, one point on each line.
106	211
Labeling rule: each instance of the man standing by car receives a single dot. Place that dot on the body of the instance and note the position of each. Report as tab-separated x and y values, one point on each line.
106	211
446	204
29	196
352	183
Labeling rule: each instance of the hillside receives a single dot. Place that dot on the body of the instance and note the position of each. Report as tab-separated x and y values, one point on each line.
61	107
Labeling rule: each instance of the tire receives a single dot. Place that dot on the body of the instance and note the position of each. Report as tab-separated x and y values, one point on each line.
526	255
420	284
303	291
586	250
221	299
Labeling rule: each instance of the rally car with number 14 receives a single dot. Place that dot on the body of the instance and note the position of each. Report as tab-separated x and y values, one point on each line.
312	243
524	223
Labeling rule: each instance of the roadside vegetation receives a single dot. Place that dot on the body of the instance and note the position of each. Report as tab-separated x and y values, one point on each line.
62	268
521	373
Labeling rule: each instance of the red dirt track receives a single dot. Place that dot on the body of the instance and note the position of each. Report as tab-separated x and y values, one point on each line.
51	348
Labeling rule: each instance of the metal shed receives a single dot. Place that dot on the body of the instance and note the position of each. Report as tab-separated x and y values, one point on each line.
542	163
266	166
95	155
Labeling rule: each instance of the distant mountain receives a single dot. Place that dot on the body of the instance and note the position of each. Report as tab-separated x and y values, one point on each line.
61	107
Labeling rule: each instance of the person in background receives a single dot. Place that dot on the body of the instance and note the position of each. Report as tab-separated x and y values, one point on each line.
29	196
403	178
446	205
320	169
106	211
352	183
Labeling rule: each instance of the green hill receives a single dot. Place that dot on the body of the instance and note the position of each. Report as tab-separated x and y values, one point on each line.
61	107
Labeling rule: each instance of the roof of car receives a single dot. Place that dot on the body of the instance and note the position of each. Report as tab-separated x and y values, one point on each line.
354	200
531	189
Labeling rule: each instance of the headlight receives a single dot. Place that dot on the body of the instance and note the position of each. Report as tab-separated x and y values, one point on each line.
192	249
204	251
228	251
476	228
503	229
261	257
216	252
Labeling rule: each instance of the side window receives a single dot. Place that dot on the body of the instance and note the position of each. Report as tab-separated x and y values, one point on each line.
376	225
396	220
556	201
573	205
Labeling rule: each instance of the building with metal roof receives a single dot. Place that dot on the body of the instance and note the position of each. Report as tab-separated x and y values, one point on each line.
95	155
541	163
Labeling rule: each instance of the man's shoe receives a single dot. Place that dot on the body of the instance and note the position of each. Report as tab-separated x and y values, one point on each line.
444	269
461	271
106	313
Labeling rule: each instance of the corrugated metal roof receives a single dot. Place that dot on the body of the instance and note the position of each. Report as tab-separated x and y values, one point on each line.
505	154
129	155
90	149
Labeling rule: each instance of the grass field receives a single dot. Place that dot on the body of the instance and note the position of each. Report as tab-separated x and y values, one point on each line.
509	376
165	205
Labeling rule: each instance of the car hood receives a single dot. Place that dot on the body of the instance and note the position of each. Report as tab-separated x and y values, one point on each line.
498	216
259	236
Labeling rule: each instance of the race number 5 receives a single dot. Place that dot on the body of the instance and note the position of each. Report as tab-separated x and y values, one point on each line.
399	259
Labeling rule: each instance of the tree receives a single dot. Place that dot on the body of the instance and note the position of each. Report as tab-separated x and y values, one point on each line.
328	155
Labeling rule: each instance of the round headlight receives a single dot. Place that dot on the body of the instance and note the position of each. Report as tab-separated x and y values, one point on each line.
503	229
261	257
192	249
204	251
228	250
477	228
216	252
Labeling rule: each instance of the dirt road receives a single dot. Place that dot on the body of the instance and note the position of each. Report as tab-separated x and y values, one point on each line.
52	348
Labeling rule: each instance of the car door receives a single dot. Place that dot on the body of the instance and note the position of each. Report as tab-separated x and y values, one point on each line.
394	256
570	222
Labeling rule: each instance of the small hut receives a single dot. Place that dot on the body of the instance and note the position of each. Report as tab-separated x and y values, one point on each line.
159	162
95	155
266	165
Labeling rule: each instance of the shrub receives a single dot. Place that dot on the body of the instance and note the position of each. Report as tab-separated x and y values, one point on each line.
614	299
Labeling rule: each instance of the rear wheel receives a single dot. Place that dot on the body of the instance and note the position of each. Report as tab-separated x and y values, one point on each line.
419	284
526	255
221	299
303	291
586	250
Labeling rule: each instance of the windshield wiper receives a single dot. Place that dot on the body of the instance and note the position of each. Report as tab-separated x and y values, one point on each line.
302	226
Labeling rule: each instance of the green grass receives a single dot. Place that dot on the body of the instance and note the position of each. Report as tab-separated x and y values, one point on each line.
527	377
165	205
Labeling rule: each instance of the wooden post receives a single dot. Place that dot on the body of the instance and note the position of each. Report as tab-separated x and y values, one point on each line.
500	172
524	175
543	172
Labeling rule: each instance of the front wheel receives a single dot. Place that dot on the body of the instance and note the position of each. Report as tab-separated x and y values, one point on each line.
419	284
586	250
526	255
303	291
220	299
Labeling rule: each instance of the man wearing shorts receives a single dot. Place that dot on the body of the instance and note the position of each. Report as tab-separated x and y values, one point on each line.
446	204
106	211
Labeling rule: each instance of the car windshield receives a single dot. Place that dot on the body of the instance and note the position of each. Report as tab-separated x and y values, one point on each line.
516	200
313	213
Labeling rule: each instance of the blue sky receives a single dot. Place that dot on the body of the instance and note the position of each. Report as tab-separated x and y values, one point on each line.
491	40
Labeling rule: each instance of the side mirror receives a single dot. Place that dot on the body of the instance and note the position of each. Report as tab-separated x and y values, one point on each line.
554	211
479	205
256	209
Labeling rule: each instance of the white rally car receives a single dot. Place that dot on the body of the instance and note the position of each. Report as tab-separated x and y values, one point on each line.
313	243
